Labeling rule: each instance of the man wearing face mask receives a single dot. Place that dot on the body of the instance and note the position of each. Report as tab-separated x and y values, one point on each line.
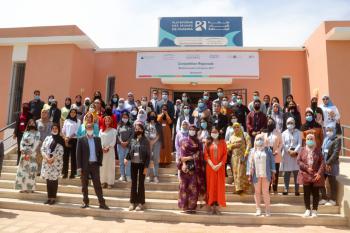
86	105
165	100
256	96
89	160
219	120
233	101
207	101
154	100
185	115
256	121
220	94
130	103
241	111
36	105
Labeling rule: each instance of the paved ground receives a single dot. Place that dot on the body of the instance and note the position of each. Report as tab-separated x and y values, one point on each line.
27	221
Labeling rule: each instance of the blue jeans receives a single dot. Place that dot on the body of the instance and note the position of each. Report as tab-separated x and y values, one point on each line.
287	179
155	158
122	152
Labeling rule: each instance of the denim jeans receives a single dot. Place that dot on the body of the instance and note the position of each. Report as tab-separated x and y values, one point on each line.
122	152
287	179
155	158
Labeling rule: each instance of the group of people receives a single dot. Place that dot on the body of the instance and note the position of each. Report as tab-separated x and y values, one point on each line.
211	139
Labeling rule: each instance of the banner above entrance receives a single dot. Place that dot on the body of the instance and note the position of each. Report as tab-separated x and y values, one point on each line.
191	65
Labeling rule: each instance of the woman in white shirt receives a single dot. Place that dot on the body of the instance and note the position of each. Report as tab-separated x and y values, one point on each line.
69	133
108	139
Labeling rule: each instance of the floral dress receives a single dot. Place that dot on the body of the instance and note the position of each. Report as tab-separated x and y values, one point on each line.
54	170
26	171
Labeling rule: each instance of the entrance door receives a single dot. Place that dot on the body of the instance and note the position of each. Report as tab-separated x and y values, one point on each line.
16	91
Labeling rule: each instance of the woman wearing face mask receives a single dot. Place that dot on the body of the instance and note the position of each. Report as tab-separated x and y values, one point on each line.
229	130
317	111
26	170
139	155
65	110
204	131
120	110
277	116
215	157
311	174
44	127
201	112
289	98
294	113
52	152
88	119
154	134
185	114
312	127
331	149
225	108
55	112
274	142
274	100
292	142
141	117
20	127
133	114
78	106
165	120
70	133
113	103
86	106
239	145
182	133
331	113
108	139
145	105
261	171
192	173
125	133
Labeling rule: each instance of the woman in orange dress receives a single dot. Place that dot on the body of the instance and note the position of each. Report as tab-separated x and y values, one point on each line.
215	156
165	120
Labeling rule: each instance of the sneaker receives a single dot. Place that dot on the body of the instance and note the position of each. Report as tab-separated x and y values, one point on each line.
131	207
258	212
156	180
307	213
122	178
148	179
331	203
314	213
322	202
128	178
139	207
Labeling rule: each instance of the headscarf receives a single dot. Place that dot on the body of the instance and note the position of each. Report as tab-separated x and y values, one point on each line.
68	106
240	133
25	109
310	124
85	118
182	124
258	137
327	140
142	116
309	150
57	139
73	118
330	103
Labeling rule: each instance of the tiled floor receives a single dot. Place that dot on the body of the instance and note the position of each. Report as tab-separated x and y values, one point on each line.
28	222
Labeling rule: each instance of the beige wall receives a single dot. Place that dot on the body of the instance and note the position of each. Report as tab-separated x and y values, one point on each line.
5	80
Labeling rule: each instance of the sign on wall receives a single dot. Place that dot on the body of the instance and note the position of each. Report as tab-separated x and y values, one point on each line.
200	31
197	64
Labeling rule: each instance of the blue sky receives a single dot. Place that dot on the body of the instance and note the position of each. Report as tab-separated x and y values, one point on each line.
134	23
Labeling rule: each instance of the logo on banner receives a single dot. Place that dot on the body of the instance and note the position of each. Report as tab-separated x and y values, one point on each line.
200	26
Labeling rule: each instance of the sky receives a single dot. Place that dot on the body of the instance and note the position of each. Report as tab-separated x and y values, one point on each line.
134	23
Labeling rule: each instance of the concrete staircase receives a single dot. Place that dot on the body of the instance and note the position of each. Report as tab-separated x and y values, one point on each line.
161	202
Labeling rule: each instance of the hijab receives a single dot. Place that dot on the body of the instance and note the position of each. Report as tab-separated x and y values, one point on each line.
57	139
310	124
330	103
72	118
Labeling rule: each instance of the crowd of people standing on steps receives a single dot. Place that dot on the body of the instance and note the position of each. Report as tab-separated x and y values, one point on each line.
210	140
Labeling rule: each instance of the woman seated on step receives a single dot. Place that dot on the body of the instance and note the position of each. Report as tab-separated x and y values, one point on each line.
261	171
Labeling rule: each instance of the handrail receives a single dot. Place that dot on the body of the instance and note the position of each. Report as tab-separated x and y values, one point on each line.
7	127
343	138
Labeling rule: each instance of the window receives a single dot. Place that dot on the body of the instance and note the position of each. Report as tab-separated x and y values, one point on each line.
286	86
110	87
16	91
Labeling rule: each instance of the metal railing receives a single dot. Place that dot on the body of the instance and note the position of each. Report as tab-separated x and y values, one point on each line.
345	137
7	141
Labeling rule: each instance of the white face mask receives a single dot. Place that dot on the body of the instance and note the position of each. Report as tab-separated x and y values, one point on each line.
125	120
224	103
290	126
192	132
89	132
134	113
259	142
144	103
329	134
234	120
54	133
91	110
214	135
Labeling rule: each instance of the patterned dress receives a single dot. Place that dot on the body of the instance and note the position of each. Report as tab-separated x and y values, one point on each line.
192	184
54	170
26	171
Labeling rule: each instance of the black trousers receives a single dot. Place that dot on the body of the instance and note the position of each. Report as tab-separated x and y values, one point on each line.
70	152
94	172
333	185
275	184
137	195
308	190
19	139
52	186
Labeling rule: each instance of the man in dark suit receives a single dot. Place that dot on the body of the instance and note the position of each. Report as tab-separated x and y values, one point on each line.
89	159
165	100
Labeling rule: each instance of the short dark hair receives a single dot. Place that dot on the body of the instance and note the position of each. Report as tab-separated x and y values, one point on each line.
36	91
256	92
219	89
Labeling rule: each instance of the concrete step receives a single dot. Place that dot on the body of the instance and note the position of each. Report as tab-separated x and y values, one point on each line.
165	186
158	204
175	216
152	194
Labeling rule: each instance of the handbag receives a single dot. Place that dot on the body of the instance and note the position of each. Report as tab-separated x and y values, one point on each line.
190	165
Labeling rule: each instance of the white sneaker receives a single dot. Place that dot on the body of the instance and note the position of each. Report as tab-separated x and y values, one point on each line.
148	179
331	203
314	213
122	178
258	212
322	202
307	213
156	180
128	178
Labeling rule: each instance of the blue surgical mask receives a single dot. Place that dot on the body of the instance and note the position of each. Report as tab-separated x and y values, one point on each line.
239	101
184	131
234	98
255	97
309	118
220	94
165	97
259	142
186	111
310	143
205	97
204	125
184	99
115	100
201	105
37	97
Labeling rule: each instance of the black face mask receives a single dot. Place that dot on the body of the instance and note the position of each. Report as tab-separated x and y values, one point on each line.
31	127
257	107
152	118
292	108
87	103
137	132
78	103
313	105
68	106
53	105
270	127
